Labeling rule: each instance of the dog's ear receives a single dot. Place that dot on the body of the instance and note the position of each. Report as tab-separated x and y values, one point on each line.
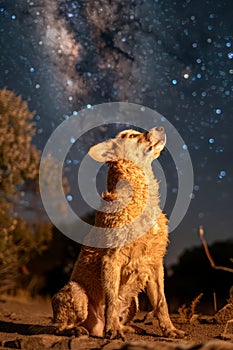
104	151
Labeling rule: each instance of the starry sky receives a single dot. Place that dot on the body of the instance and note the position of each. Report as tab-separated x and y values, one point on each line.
175	57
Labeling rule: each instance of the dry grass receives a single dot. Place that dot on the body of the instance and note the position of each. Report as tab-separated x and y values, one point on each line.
187	311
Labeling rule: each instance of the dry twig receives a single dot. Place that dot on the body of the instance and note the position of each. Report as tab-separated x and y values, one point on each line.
212	263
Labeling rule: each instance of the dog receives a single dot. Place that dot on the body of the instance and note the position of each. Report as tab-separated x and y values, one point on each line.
102	295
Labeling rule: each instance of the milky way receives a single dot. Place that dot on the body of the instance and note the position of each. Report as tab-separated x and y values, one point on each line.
172	56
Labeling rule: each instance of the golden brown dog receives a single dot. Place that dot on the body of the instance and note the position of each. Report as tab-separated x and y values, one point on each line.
130	240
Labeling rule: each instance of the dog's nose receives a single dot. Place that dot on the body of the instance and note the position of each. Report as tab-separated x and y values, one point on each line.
159	128
159	133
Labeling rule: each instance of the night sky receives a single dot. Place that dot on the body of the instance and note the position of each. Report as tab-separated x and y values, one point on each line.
175	57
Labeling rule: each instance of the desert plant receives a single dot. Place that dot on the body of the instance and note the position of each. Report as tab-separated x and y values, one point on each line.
187	311
19	158
19	163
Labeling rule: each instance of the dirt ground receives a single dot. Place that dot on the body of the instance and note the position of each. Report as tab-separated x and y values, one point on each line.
21	319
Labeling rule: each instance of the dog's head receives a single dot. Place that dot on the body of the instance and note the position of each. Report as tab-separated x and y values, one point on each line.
138	147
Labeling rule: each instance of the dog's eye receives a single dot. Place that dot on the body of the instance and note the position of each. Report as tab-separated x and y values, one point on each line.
132	136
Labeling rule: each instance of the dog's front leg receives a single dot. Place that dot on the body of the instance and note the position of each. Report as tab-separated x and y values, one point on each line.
111	271
155	292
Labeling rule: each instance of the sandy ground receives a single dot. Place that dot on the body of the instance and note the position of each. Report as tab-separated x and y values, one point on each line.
22	318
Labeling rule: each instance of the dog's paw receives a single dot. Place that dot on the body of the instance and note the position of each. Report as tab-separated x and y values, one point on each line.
174	333
120	333
72	331
79	331
114	334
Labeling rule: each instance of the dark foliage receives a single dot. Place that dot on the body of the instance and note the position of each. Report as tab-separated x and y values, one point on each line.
193	275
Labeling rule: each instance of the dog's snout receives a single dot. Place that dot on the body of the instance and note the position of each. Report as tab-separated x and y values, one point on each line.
159	128
159	133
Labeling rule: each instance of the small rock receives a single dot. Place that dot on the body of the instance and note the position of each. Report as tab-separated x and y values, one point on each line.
35	342
194	320
113	345
11	316
140	346
202	319
154	346
84	343
14	344
216	345
228	331
225	314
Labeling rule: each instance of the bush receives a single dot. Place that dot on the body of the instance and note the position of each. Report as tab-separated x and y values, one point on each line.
19	163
